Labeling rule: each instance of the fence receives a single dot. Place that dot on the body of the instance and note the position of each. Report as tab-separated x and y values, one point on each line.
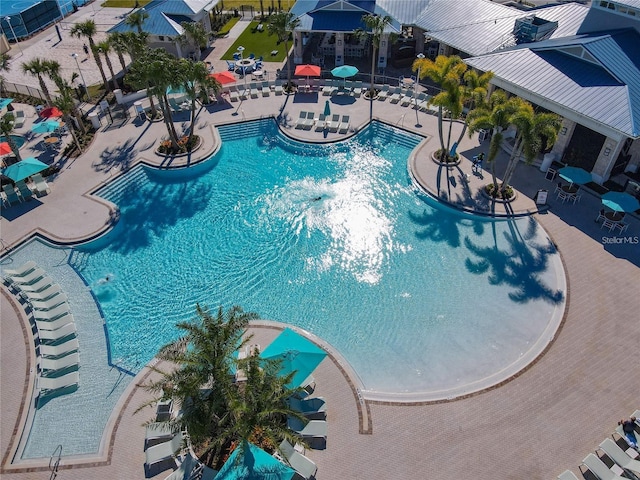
25	90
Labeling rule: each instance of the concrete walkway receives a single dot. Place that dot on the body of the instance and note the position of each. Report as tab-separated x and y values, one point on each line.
534	426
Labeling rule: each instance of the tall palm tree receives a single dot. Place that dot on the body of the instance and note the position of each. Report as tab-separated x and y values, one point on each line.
136	44
88	30
535	132
66	103
5	66
6	127
496	116
376	25
118	44
448	73
104	47
475	89
141	74
38	67
136	19
194	34
282	24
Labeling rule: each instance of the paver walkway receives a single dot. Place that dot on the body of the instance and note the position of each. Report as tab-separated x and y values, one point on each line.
533	427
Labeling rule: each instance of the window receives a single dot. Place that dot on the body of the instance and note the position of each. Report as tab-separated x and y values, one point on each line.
161	37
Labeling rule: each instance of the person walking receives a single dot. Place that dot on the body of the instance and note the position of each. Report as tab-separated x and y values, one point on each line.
86	50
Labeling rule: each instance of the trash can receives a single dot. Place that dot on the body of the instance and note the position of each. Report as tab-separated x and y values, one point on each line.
482	135
547	160
95	119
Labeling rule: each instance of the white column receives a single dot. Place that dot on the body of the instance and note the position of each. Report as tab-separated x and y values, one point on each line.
383	50
606	159
564	136
339	49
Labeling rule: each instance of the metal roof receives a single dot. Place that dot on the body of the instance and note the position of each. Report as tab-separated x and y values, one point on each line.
338	15
607	92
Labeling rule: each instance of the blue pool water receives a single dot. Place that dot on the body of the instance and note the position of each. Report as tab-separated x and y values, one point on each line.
334	239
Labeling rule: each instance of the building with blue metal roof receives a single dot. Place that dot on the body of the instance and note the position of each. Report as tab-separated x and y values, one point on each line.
164	19
591	79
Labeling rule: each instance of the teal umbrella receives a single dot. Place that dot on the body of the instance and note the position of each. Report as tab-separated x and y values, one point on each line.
4	102
327	109
296	353
620	202
344	71
248	462
575	175
23	169
47	126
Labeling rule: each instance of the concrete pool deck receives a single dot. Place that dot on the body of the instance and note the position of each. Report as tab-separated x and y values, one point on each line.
534	426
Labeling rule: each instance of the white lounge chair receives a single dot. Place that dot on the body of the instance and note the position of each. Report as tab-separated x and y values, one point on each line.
311	119
37	286
615	453
18	119
620	431
383	93
59	350
158	430
278	87
407	98
567	475
22	271
357	89
52	314
58	334
185	470
313	428
328	88
165	450
396	95
599	468
301	120
266	90
59	322
254	90
233	94
344	124
50	303
48	385
49	292
334	123
32	277
41	186
305	467
50	365
321	123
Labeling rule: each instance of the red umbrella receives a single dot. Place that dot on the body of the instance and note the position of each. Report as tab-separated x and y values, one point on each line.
50	112
308	70
224	77
4	148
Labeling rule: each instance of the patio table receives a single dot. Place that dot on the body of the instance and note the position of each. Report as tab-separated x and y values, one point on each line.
613	216
246	64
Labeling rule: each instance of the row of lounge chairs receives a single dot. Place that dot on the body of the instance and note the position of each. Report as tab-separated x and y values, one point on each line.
55	328
332	87
253	90
308	120
614	459
21	192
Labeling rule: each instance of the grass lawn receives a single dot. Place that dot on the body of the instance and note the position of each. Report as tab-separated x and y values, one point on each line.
258	43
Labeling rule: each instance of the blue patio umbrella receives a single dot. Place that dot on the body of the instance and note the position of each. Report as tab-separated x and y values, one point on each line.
297	354
327	109
620	202
47	126
575	175
4	102
344	71
248	462
23	169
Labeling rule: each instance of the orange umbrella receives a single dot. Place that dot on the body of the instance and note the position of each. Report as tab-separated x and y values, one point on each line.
224	77
4	148
308	70
50	112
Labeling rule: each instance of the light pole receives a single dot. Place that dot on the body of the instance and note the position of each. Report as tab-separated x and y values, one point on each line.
415	91
84	84
15	39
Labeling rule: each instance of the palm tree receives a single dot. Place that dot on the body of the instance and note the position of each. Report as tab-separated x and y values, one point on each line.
136	44
88	30
5	59
67	105
496	116
6	127
376	24
535	132
448	73
194	34
104	48
136	19
119	45
37	68
475	89
282	24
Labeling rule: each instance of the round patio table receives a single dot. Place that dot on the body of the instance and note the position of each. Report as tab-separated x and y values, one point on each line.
246	64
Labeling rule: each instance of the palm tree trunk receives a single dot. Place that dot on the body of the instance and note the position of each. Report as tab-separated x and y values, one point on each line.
450	131
14	147
67	120
514	158
123	64
96	56
44	89
110	67
286	49
443	151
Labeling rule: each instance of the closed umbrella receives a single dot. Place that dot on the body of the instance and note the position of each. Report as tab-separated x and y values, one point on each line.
47	126
248	462
23	169
327	109
296	353
575	175
224	78
344	71
620	202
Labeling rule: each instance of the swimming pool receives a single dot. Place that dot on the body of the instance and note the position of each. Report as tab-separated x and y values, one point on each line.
334	239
